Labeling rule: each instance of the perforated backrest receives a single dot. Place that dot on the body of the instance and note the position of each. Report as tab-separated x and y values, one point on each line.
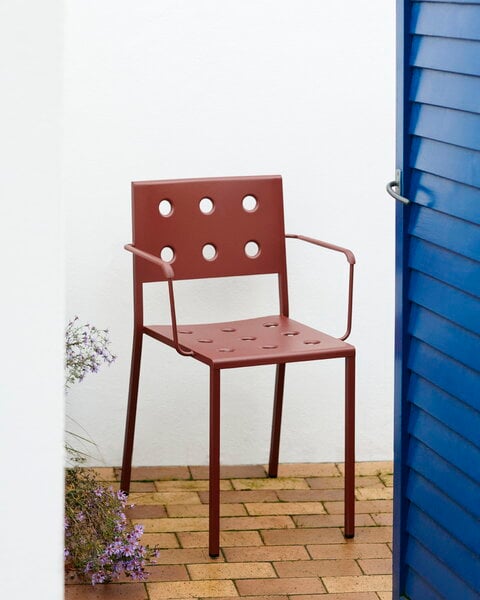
210	226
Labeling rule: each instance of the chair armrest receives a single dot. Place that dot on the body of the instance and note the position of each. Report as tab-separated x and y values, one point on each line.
169	275
351	260
164	267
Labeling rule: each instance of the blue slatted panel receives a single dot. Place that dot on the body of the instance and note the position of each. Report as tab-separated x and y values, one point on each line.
459	524
441	515
441	88
446	583
445	336
436	192
451	268
446	301
444	407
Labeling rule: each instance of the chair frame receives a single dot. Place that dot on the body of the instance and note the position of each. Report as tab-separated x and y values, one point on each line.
166	272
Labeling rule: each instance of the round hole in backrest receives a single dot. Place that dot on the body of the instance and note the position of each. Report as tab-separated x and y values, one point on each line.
252	249
206	206
209	252
249	203
167	254
165	207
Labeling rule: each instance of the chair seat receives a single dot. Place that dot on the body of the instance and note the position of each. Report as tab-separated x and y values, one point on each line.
265	340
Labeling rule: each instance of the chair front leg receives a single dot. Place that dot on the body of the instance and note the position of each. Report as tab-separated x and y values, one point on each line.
131	411
350	447
276	421
214	471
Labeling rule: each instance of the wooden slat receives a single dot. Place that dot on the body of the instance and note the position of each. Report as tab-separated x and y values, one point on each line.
447	374
449	515
448	550
417	587
437	193
451	446
454	414
446	125
446	20
446	54
445	89
444	335
448	585
446	160
446	266
449	480
445	301
443	230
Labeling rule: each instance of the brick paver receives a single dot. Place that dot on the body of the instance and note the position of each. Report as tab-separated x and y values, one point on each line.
281	538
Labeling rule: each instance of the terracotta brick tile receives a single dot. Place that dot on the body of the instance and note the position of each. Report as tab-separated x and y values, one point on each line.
179	556
269	597
373	534
353	549
364	520
162	540
189	486
387	480
280	483
301	537
239	570
244	496
317	568
104	473
146	511
383	518
244	523
166	524
265	553
168	573
385	595
192	589
370	468
376	566
231	472
165	498
347	596
371	493
285	508
295	585
201	510
365	583
227	538
320	495
361	506
308	470
319	483
126	591
136	486
156	473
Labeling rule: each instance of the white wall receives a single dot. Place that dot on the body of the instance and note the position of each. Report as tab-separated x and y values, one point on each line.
31	301
197	88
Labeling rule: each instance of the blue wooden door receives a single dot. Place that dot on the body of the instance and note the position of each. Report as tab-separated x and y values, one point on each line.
437	366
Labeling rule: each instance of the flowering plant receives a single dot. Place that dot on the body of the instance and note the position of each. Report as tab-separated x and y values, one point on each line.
98	543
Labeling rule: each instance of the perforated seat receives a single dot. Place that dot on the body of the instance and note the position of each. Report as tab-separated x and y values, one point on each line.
200	228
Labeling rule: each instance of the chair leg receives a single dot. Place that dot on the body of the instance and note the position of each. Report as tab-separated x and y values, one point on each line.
276	421
350	447
214	471
131	412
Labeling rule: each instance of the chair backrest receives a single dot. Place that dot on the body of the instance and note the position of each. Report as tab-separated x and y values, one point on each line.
216	227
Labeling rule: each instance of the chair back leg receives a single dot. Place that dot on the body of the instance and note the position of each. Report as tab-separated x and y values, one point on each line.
214	469
276	421
350	447
131	412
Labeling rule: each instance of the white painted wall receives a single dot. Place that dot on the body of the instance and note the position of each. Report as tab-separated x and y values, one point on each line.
31	300
197	88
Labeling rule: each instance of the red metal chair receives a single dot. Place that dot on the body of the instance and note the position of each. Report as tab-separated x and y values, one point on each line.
199	228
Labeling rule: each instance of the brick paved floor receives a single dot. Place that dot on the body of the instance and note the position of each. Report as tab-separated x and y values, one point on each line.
281	538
